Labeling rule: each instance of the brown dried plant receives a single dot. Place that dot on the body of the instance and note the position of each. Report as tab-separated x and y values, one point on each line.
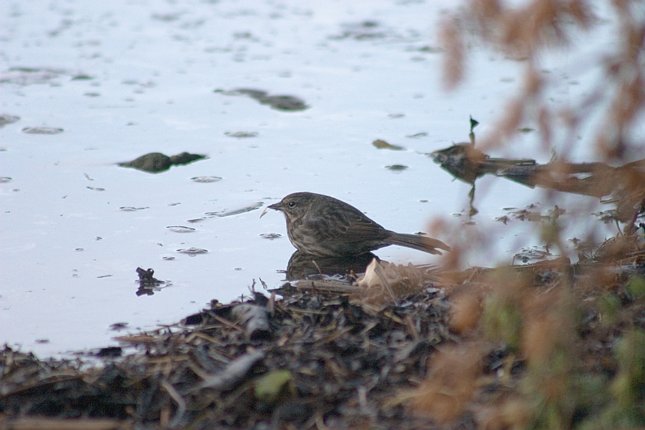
451	383
534	27
538	324
384	283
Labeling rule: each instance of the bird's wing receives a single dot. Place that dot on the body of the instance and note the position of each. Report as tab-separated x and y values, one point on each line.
349	226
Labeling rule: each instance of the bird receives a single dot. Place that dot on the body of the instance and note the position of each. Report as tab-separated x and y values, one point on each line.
324	226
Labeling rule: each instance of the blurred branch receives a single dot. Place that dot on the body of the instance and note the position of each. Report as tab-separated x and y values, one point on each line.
527	30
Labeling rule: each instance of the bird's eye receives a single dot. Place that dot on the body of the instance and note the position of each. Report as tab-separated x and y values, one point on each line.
291	204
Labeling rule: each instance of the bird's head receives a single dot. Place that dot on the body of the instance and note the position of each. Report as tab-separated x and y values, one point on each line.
294	205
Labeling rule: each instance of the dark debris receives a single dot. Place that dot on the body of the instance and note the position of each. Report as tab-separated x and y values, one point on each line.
336	351
156	162
312	359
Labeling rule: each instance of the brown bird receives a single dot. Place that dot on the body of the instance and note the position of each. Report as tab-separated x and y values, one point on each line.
324	226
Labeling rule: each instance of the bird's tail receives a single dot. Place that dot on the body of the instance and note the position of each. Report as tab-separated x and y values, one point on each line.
416	241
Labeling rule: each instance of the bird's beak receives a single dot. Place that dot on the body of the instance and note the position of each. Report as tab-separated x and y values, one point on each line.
275	207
